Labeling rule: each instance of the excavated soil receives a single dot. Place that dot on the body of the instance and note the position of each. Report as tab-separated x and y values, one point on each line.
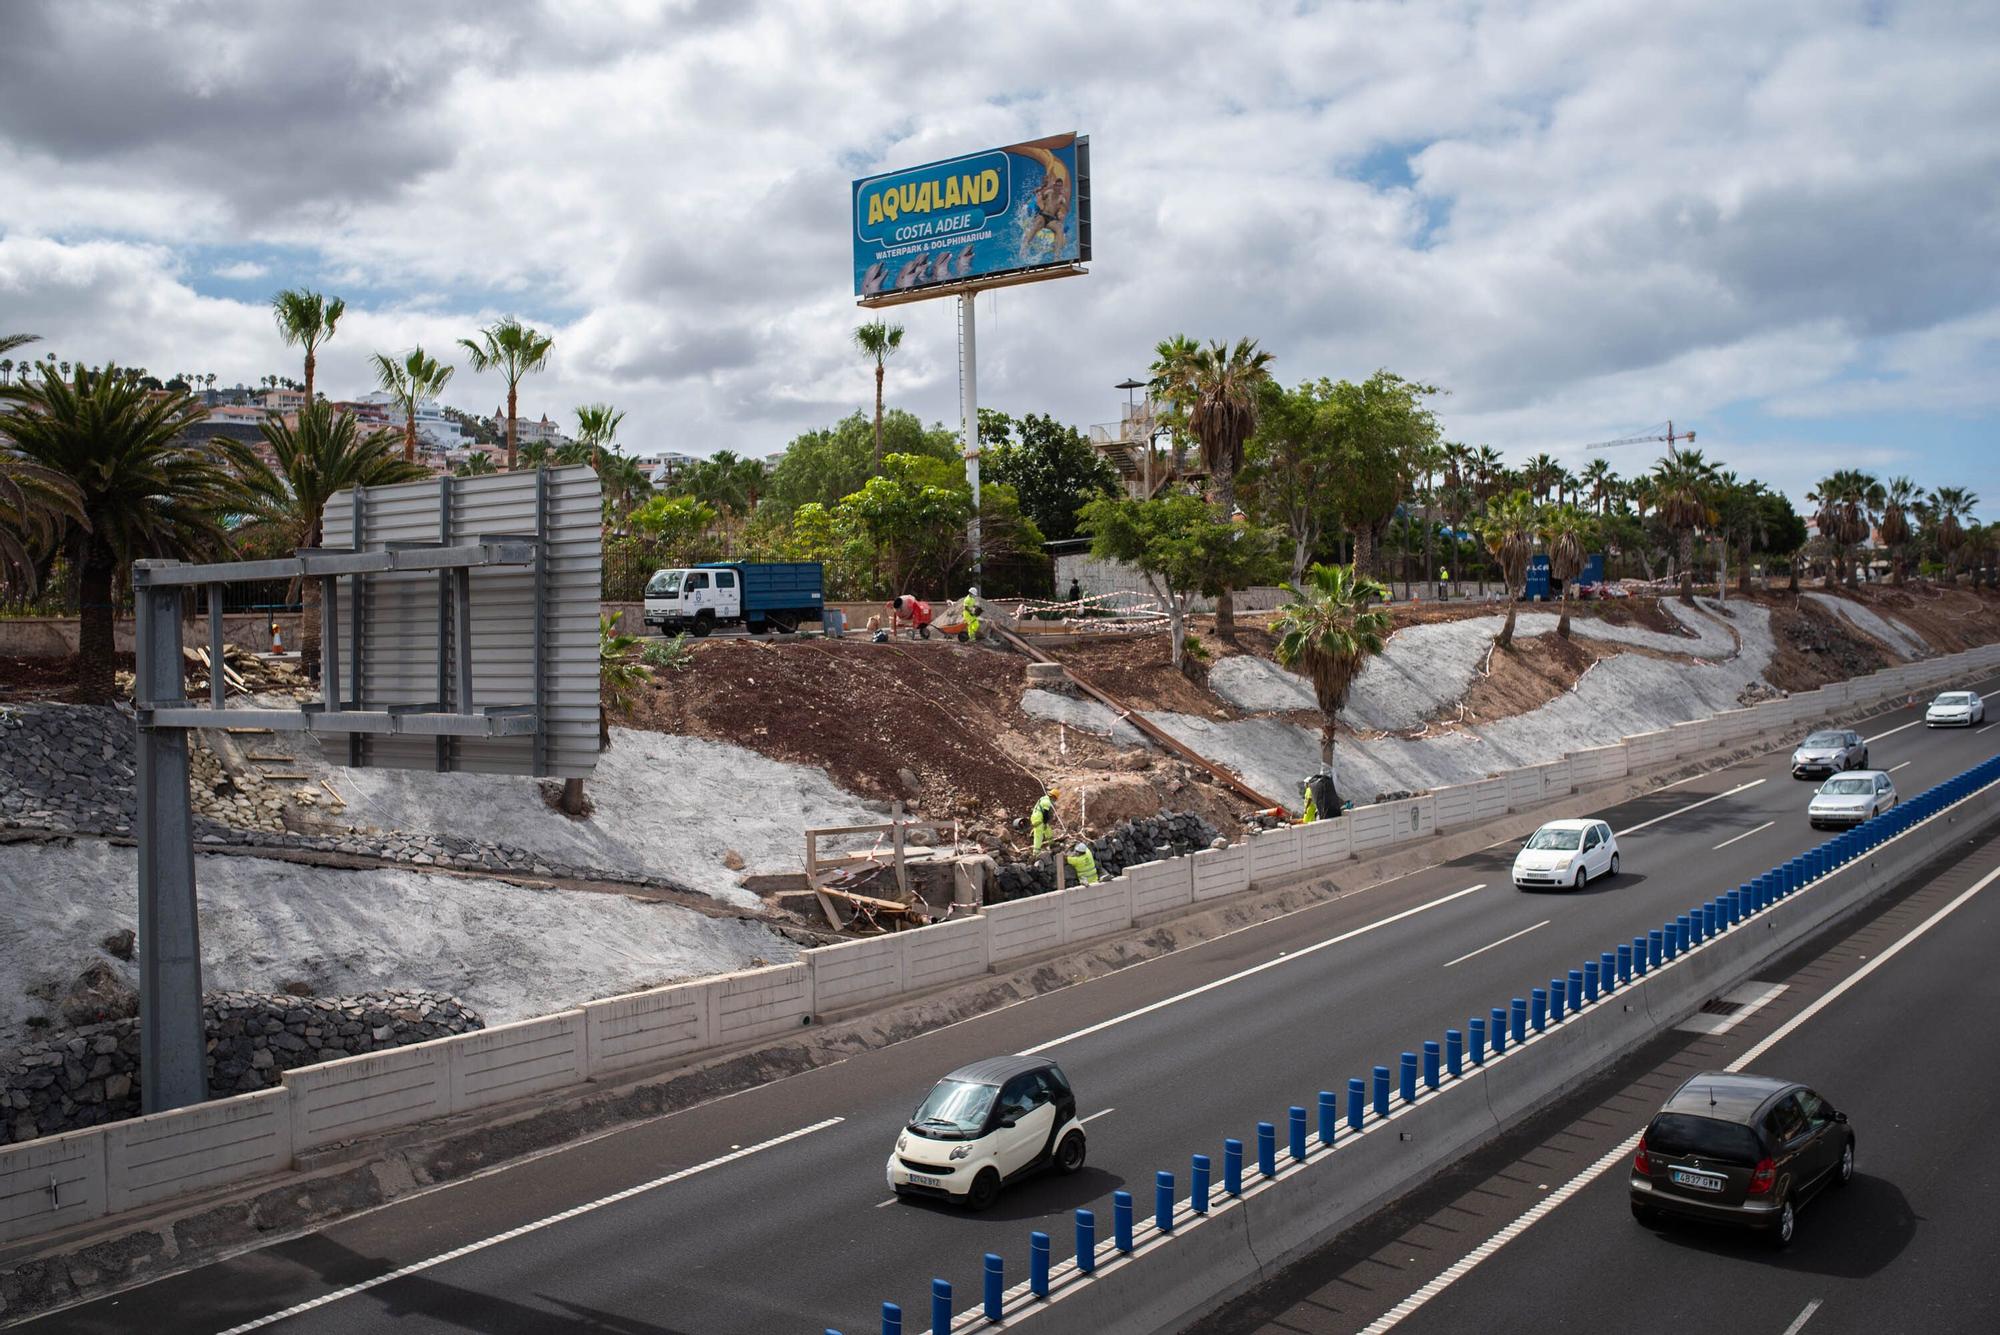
24	679
1530	673
1136	671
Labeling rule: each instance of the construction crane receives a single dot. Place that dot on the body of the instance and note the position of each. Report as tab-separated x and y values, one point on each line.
1669	437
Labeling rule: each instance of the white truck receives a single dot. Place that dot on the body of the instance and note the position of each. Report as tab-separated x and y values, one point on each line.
759	595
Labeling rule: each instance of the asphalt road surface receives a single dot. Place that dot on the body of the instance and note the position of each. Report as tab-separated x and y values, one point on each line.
767	1211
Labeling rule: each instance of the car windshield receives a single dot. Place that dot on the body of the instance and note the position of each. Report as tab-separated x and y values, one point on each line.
664	584
1955	698
1683	1135
955	1107
1825	739
1561	839
1847	787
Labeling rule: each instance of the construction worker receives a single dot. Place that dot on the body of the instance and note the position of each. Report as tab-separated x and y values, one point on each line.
1310	812
1043	815
908	607
1083	864
969	605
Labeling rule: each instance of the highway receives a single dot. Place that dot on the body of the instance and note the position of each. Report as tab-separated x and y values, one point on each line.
1885	1018
767	1212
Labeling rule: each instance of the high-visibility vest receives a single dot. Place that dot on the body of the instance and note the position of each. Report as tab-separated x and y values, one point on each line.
1311	811
1043	812
970	607
1084	865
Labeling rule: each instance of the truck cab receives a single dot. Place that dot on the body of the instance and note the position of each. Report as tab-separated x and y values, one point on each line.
693	599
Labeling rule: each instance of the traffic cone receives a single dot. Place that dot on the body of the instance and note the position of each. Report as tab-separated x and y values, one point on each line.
277	639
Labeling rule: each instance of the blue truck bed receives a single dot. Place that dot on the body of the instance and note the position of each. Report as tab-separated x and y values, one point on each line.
791	590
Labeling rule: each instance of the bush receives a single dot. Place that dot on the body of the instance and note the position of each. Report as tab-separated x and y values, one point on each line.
668	655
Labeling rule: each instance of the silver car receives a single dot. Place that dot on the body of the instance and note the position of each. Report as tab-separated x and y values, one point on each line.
1955	709
1848	799
1829	752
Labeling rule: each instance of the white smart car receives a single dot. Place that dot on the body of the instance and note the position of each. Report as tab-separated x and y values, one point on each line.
1567	853
1955	709
985	1125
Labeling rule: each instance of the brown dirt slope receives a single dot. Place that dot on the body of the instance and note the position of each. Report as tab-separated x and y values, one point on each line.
1533	672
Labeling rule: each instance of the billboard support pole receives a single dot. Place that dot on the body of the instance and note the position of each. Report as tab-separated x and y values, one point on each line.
968	402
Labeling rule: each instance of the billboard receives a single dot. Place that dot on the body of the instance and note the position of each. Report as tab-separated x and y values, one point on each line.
1002	211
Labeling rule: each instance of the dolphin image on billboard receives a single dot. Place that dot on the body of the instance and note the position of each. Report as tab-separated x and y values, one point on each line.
1003	211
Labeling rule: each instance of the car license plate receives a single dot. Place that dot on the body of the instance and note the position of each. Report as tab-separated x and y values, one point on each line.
1699	1181
919	1180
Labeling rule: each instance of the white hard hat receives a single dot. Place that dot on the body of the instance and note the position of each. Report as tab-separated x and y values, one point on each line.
1081	848
972	592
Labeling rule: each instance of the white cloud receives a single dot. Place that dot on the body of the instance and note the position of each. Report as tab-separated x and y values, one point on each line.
241	270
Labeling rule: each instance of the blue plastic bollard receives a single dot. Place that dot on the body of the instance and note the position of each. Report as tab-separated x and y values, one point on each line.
1198	1172
1432	1054
1329	1116
1573	996
1454	1053
1656	947
1295	1125
1121	1220
1625	964
892	1319
1607	970
996	1284
1357	1102
1381	1091
940	1304
1683	930
1163	1201
1519	1018
1475	1038
1406	1072
1709	918
1086	1241
1538	1008
1557	991
1232	1166
1038	1264
1267	1149
1592	970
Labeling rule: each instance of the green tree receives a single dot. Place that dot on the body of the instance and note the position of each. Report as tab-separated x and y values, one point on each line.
828	464
516	352
1289	467
408	383
306	320
1331	628
1508	529
915	521
35	504
596	429
1847	501
135	486
878	341
1684	486
285	509
1568	531
1950	507
1181	549
677	524
1050	466
1382	430
476	464
1900	499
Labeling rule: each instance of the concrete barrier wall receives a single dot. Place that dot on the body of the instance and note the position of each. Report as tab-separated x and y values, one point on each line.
1413	818
354	1096
1097	910
944	952
641	1028
1456	807
52	1183
1556	781
1220	871
1022	927
512	1061
1324	843
1524	789
1489	798
856	973
156	1158
1274	855
1160	887
1648	750
759	1003
1368	828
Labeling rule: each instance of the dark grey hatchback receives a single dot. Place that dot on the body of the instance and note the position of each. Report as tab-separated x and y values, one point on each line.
1745	1150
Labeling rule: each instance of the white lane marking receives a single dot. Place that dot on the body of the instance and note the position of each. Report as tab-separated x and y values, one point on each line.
883	1205
1460	1268
1241	974
1800	1323
1101	1112
1893	731
1501	942
1689	807
1745	835
1977	731
1893	768
1749	999
525	1229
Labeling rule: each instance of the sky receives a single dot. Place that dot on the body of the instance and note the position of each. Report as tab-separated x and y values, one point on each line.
1777	223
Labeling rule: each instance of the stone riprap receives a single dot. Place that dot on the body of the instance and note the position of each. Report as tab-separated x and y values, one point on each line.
90	1076
1169	835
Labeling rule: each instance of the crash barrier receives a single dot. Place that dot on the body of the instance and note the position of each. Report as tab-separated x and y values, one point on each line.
57	1182
1316	1173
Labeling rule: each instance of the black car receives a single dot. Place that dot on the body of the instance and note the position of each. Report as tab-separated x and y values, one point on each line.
1744	1150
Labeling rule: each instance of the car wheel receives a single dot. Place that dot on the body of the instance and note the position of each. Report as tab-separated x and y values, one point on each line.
1069	1154
1845	1173
1645	1214
1864	758
703	624
985	1190
1787	1225
1582	879
1614	864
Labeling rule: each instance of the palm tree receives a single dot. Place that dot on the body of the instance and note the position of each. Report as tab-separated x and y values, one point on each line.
1684	488
140	489
878	340
409	383
35	503
1508	530
307	320
1542	475
324	454
1848	501
1569	531
1949	507
1603	483
1331	628
1216	387
596	428
476	464
1486	467
515	351
1899	501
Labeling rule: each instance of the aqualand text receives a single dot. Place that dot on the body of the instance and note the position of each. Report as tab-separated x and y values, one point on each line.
953	192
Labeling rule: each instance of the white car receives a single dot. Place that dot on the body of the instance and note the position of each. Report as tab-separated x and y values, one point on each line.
985	1125
1570	853
1849	799
1955	709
